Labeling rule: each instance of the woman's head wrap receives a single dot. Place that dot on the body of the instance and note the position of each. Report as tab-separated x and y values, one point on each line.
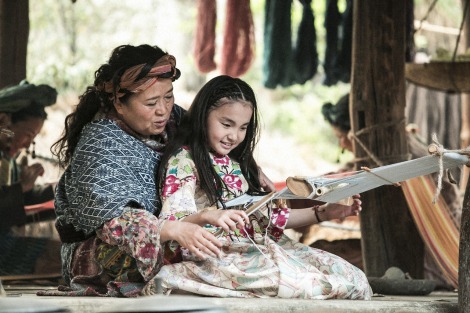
338	115
15	98
130	81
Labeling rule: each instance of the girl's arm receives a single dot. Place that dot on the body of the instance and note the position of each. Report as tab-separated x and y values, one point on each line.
227	219
325	212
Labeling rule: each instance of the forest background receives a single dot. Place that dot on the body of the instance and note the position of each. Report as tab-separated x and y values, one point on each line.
69	40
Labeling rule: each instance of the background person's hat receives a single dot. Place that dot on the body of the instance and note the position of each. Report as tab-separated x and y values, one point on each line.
15	98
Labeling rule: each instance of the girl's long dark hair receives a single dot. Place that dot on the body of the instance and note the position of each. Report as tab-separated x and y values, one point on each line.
192	132
94	100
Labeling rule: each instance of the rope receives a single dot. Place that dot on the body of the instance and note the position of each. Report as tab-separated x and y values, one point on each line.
421	21
369	129
438	150
454	55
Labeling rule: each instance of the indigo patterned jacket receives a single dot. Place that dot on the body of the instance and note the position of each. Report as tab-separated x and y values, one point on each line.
110	170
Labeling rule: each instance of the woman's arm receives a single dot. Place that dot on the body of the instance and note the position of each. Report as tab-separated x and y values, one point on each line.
196	239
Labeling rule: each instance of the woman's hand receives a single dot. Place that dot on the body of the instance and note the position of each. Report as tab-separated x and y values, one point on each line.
229	220
340	211
29	174
196	239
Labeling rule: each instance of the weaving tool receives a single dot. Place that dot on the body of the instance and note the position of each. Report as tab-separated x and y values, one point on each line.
335	189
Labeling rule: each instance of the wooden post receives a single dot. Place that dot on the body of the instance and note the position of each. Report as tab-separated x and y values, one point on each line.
389	235
464	255
14	30
465	101
464	243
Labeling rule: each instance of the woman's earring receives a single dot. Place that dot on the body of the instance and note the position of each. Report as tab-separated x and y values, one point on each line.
339	155
33	154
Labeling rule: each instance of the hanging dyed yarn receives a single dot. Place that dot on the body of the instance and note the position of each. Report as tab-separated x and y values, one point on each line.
239	39
332	22
306	55
283	65
337	63
204	45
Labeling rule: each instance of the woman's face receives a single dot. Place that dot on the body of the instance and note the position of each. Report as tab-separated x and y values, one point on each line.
147	112
344	141
227	125
25	132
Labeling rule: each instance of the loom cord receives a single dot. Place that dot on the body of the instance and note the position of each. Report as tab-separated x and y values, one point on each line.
438	150
239	39
370	154
204	45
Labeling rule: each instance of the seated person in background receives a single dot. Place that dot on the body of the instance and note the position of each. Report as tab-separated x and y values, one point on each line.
26	109
338	117
210	162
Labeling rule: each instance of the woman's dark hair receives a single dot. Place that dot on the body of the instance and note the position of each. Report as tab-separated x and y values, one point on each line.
338	115
95	99
34	110
192	132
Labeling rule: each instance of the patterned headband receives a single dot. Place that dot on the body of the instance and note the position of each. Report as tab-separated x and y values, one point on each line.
128	83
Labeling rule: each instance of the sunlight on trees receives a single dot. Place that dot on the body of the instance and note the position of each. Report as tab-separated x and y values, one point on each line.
68	41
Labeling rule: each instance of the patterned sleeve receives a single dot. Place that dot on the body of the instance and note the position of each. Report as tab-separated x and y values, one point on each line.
136	232
178	192
274	225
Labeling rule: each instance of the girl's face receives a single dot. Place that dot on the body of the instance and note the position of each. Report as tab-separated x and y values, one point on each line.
227	125
147	112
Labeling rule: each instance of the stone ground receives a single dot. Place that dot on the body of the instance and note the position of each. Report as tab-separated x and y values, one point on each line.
23	299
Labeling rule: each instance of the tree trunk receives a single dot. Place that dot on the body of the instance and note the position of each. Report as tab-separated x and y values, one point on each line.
389	235
14	30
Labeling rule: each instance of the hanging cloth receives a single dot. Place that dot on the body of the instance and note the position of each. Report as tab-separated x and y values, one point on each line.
204	45
306	55
239	39
284	65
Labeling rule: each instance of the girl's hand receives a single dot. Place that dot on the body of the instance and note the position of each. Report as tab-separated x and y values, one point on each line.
340	211
196	239
229	220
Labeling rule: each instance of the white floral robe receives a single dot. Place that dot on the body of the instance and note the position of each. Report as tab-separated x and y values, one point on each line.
258	262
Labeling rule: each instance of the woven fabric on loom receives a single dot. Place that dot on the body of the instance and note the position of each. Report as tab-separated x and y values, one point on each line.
435	224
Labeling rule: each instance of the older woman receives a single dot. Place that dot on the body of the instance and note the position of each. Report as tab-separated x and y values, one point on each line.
106	200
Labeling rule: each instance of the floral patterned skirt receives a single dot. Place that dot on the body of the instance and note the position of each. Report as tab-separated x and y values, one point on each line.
284	269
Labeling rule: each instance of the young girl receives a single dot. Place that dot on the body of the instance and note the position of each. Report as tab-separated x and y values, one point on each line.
211	162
